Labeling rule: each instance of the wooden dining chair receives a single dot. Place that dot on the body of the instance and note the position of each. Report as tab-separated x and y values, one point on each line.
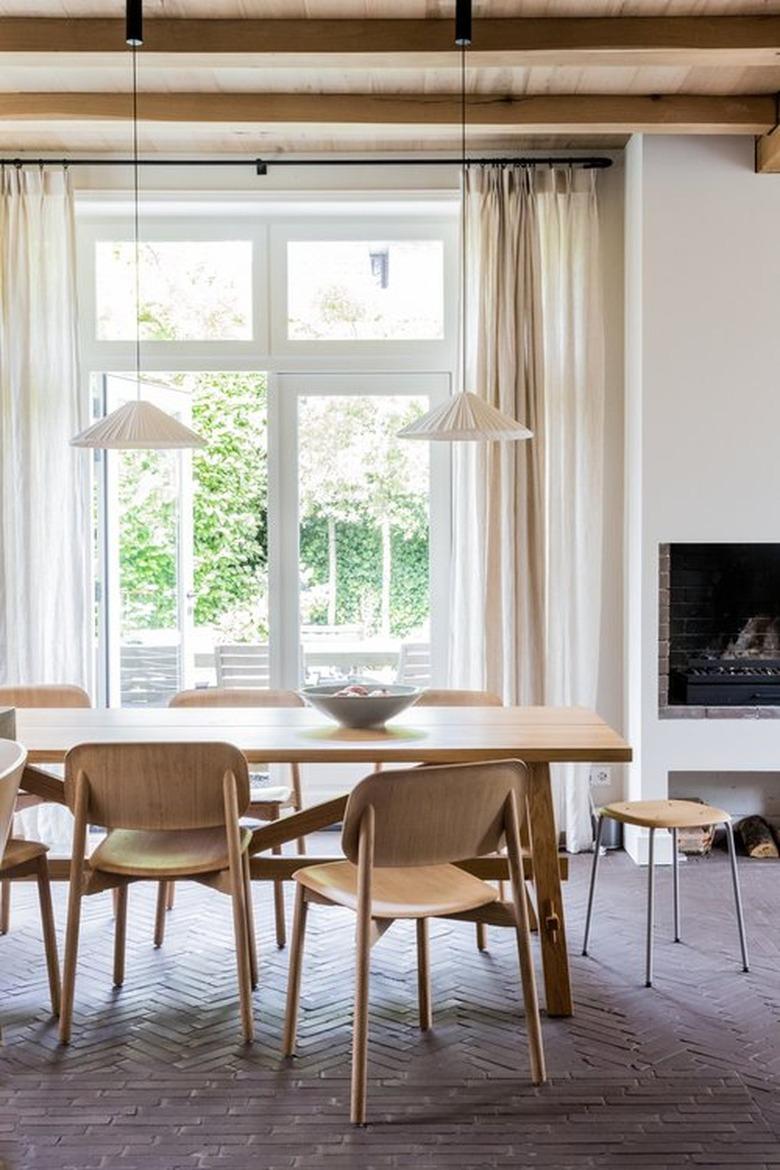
23	859
171	810
448	697
266	803
34	695
403	832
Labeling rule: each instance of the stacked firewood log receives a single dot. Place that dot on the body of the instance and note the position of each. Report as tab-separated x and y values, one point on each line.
757	837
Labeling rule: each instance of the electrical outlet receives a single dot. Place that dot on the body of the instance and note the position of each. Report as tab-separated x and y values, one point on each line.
600	777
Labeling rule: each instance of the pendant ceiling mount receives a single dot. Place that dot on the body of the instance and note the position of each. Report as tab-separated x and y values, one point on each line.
137	425
465	417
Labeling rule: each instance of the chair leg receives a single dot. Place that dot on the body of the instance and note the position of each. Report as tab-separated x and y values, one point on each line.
49	934
71	959
525	955
5	906
650	907
242	955
171	896
737	896
294	974
300	844
482	936
238	900
251	939
279	919
423	974
75	895
360	1023
676	886
592	886
120	935
159	914
357	1110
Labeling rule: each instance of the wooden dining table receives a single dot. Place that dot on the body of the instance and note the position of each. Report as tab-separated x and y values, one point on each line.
539	736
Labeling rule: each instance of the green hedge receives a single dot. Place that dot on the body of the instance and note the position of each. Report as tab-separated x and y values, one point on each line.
359	575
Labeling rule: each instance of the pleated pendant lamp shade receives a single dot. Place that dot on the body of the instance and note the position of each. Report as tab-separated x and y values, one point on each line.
465	418
138	425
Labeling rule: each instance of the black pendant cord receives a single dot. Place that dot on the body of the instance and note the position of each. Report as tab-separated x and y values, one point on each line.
136	224
463	213
463	32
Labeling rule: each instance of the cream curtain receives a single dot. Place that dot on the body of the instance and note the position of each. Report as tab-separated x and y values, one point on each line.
528	516
44	486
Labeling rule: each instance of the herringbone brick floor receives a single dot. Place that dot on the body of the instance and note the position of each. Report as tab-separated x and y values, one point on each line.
685	1074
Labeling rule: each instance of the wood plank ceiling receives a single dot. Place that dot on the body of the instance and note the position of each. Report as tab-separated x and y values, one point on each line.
345	75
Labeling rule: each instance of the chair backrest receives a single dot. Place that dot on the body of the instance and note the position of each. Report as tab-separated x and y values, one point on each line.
148	675
156	785
44	695
450	698
243	665
414	663
13	757
433	815
236	697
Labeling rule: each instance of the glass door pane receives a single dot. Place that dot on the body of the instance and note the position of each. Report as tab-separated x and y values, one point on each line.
185	561
364	556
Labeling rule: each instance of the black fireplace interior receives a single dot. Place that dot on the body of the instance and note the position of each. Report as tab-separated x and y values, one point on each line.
724	624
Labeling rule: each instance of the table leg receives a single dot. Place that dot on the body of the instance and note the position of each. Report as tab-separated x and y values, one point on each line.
549	899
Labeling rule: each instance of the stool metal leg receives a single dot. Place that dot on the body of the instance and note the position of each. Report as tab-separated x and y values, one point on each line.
650	907
676	886
737	895
592	889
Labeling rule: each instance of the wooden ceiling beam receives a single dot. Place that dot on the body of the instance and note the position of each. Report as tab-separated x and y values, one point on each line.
544	113
561	40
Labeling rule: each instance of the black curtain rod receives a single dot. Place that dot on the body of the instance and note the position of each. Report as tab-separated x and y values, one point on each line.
261	165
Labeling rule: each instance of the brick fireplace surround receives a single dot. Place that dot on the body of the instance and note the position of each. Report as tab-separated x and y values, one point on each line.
671	656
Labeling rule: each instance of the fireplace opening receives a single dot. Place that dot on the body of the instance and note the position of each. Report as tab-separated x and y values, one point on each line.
720	625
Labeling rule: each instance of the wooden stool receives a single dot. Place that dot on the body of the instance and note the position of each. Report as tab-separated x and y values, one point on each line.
671	815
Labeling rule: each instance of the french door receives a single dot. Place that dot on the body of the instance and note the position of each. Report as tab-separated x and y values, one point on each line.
359	528
305	529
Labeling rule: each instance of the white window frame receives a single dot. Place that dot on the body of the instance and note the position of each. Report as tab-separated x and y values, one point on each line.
427	367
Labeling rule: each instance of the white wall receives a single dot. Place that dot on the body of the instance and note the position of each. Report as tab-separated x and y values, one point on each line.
703	404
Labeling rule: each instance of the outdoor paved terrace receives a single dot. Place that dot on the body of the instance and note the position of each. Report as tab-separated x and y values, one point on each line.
685	1074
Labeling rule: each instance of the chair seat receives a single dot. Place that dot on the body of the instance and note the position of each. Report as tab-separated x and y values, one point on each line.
419	892
665	814
18	852
164	853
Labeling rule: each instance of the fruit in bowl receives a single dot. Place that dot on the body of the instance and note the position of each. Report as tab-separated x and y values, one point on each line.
360	705
358	691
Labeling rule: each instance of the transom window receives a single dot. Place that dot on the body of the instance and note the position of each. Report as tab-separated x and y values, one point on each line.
191	290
